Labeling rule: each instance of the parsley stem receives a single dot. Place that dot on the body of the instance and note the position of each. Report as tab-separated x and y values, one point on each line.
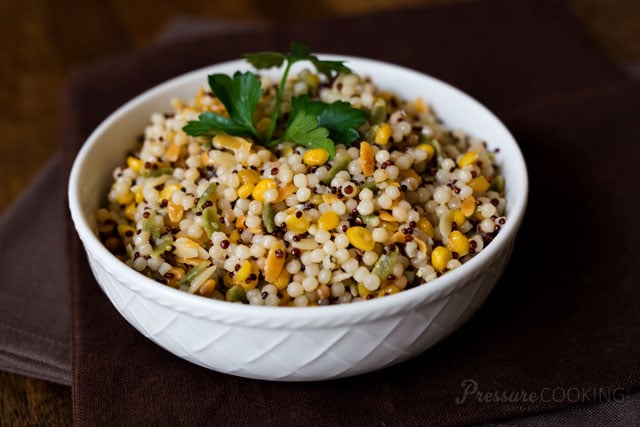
276	109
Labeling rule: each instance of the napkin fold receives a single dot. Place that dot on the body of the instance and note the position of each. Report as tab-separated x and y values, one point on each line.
34	319
566	338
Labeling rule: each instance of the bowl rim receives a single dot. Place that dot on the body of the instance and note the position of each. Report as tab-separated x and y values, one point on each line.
339	314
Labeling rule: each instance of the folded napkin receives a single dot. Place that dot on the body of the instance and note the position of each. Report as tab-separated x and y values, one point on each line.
560	328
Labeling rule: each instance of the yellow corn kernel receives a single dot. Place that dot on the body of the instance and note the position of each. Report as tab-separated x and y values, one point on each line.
468	158
178	104
425	225
422	246
329	198
233	143
262	186
440	257
286	191
428	148
234	236
421	107
391	227
386	216
173	152
328	220
125	230
174	212
315	157
139	197
207	288
398	236
130	211
240	221
297	225
315	199
168	191
468	206
283	279
388	290
275	261
383	134
248	176
367	159
245	190
125	198
361	238
458	217
134	163
458	243
479	184
243	273
363	292
173	276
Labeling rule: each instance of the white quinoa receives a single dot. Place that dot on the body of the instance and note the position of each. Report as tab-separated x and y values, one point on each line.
411	201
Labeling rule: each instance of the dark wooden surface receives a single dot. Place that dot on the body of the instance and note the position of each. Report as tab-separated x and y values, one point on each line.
40	45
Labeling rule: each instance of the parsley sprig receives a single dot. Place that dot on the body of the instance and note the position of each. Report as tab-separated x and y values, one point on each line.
312	124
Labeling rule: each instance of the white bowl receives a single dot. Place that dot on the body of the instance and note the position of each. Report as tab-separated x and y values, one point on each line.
295	344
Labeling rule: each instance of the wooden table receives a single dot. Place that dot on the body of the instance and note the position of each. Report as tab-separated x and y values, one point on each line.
40	46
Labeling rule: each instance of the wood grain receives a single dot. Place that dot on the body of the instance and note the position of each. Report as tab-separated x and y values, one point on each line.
41	41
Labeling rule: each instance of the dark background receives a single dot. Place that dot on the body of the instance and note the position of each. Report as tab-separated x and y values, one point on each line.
42	41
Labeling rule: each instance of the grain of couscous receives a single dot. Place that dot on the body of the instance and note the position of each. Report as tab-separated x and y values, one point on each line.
224	217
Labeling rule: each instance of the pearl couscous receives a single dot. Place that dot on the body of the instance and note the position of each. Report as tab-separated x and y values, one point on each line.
225	218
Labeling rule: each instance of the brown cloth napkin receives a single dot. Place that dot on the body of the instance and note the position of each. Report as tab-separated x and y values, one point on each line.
561	325
34	315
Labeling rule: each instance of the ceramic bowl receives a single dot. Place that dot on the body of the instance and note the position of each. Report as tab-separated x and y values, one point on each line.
295	344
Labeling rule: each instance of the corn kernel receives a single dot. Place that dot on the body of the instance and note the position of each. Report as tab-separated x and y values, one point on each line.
387	217
458	217
173	152
367	159
130	211
363	292
428	148
425	225
134	163
126	198
174	212
286	191
315	199
468	206
262	186
479	184
207	288
125	230
383	134
168	191
248	176
234	236
388	290
283	279
360	238
243	273
316	157
139	197
297	225
245	190
328	220
233	143
275	261
440	257
458	243
468	158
